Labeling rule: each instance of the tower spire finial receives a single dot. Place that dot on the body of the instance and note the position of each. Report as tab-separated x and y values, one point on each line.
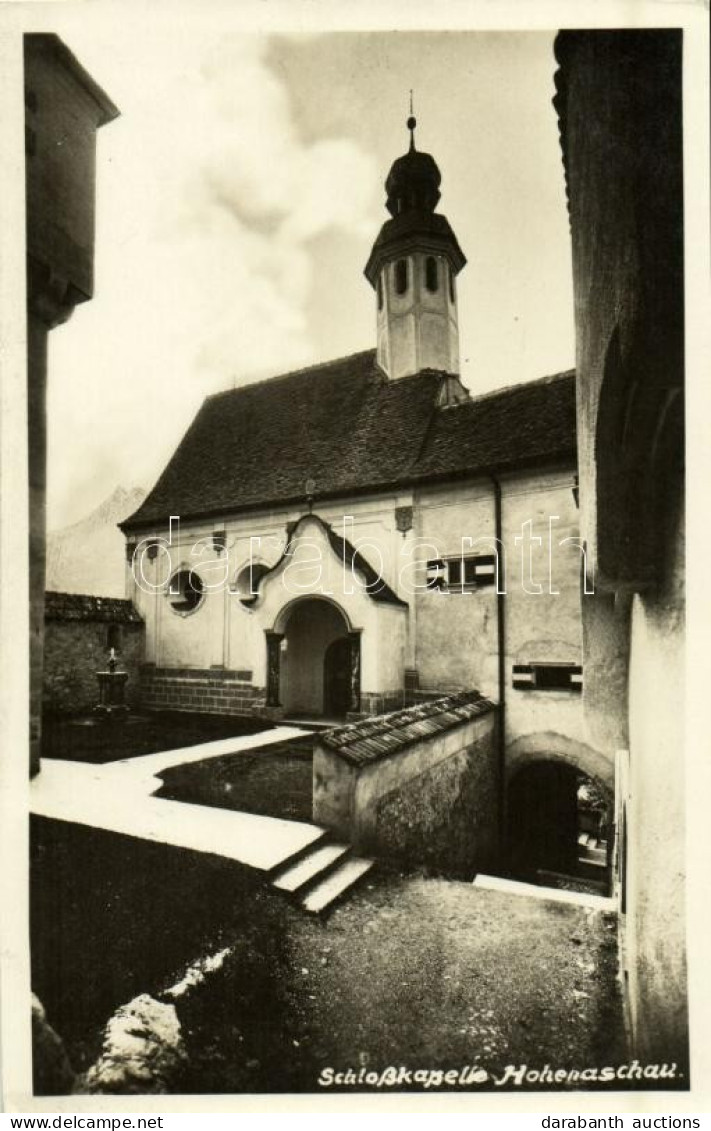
411	123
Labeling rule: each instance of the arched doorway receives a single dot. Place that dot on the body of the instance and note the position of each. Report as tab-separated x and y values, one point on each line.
318	657
559	823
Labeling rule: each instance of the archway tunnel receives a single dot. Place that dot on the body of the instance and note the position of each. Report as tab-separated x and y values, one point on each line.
559	823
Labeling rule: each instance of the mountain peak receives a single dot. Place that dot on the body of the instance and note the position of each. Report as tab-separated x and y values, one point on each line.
89	555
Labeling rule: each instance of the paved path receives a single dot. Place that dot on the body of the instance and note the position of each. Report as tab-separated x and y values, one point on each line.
117	796
551	895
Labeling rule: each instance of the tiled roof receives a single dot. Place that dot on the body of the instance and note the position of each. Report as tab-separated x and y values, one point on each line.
348	429
377	738
81	606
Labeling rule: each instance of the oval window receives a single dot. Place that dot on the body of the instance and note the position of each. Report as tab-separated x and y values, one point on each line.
247	580
186	591
431	273
401	276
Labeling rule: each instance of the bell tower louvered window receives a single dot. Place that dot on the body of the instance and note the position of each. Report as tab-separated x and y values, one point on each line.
401	276
431	274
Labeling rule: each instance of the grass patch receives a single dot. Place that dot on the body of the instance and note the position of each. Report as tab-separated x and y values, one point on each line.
273	782
92	738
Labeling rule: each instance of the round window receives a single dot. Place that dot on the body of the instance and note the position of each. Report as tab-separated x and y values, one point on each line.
186	591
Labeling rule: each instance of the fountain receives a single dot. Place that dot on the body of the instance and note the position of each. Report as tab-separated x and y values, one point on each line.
112	689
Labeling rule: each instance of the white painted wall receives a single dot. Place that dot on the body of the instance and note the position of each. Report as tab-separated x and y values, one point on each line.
450	639
656	912
456	634
418	329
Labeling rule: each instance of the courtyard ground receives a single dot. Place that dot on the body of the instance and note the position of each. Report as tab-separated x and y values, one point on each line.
411	971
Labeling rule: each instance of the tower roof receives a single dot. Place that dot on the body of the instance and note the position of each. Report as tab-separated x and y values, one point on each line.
413	182
412	188
414	179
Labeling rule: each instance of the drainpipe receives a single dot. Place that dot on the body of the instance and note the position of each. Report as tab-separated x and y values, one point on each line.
501	644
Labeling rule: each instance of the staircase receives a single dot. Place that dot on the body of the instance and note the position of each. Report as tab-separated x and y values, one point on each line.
592	850
320	875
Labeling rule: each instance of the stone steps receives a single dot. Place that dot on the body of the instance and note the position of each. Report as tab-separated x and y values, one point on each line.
320	875
336	884
310	867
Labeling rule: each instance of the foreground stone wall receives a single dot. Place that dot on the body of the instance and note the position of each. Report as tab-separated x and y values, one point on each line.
63	110
444	814
431	798
655	953
619	98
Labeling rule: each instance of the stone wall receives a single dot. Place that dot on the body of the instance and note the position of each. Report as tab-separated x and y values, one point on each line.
63	110
421	785
444	815
373	704
212	691
619	106
74	651
655	953
232	692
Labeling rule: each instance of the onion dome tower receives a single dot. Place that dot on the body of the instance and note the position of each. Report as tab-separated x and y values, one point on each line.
413	267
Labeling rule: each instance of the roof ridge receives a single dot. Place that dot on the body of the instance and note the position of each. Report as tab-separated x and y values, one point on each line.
550	379
426	370
292	373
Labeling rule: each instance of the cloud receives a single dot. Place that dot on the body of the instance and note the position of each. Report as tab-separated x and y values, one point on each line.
207	205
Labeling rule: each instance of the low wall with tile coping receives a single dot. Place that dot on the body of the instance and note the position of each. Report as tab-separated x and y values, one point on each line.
421	785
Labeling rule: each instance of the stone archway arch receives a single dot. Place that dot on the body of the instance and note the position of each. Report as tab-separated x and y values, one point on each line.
548	832
550	746
281	619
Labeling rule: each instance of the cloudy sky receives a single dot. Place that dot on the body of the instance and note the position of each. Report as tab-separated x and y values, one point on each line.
238	196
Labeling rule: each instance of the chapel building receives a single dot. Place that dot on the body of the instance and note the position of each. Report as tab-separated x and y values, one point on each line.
367	533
